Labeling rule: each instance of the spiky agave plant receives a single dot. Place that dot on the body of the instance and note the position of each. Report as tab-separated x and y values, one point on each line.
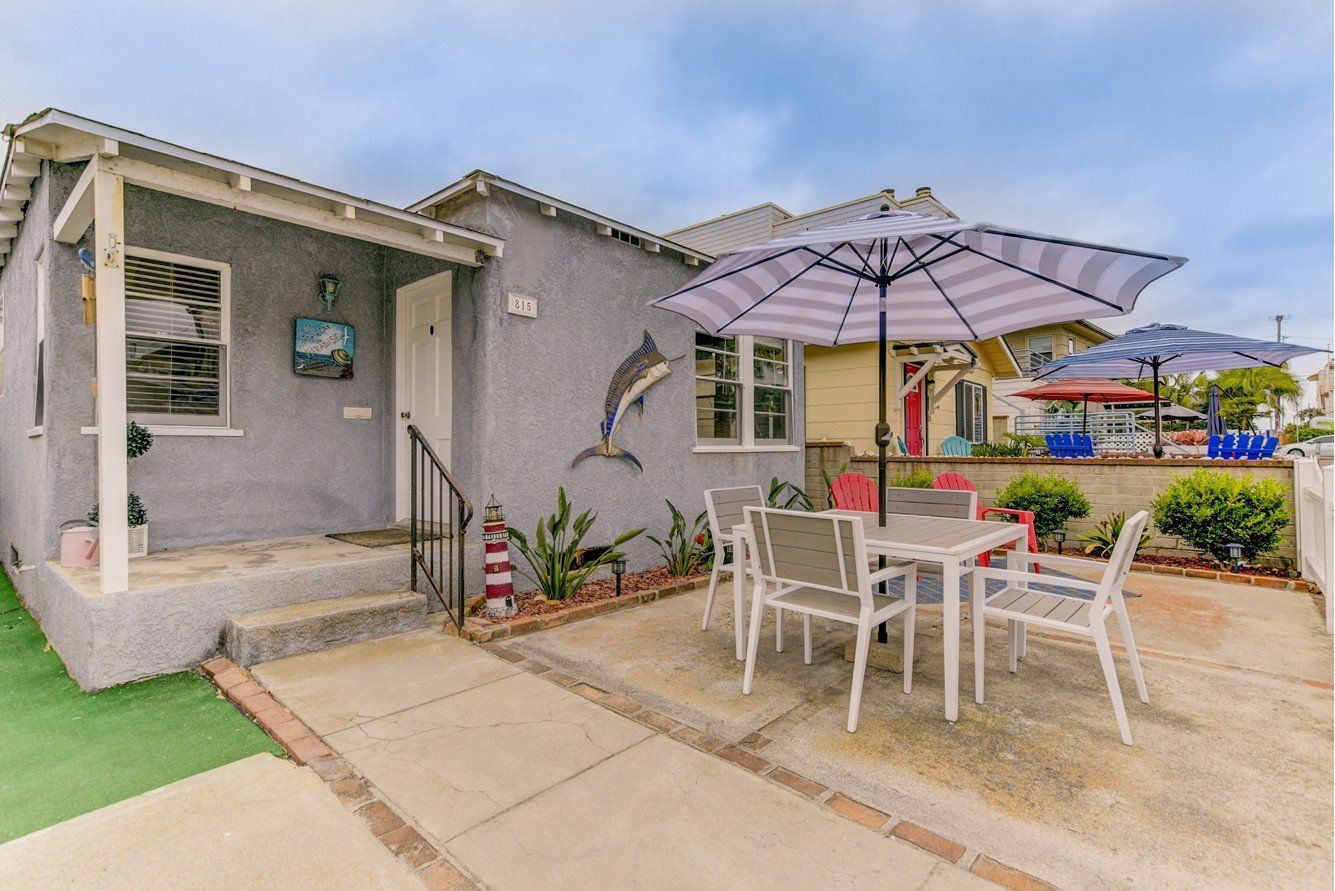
1100	541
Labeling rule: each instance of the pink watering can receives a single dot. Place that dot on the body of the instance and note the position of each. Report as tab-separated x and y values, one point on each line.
78	544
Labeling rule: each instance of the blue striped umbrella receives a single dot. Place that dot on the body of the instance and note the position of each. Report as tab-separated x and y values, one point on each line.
1156	350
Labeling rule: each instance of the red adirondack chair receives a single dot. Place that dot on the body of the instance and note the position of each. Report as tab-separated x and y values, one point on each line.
958	482
854	491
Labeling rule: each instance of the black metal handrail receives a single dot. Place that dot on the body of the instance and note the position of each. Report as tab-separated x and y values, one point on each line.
441	512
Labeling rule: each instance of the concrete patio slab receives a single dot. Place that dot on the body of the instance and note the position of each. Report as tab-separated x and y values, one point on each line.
454	762
258	822
664	815
1228	782
343	687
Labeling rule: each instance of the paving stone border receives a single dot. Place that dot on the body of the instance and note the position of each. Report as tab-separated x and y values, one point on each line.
747	754
388	825
519	625
1238	578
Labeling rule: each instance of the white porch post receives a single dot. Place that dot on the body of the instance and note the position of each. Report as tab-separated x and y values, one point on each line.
112	485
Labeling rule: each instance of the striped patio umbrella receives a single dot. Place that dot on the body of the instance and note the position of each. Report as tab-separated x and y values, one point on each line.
1156	350
911	276
1214	421
1085	391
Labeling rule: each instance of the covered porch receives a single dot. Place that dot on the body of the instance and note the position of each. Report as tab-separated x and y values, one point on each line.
283	455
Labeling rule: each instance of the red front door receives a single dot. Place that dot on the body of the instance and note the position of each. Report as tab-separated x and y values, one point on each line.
914	435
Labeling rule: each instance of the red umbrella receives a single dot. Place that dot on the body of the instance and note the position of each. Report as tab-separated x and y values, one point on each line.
1086	390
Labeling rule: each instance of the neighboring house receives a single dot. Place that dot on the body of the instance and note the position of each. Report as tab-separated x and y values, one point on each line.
490	315
937	390
1032	348
1324	380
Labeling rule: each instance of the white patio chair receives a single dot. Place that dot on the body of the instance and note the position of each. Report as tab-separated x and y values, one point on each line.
723	508
816	565
1020	606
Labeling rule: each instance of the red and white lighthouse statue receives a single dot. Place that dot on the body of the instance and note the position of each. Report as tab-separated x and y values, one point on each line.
496	543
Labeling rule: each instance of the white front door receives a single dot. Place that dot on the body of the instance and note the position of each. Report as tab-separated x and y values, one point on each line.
423	378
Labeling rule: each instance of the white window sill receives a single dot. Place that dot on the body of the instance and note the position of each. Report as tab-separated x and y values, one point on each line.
34	432
161	430
751	449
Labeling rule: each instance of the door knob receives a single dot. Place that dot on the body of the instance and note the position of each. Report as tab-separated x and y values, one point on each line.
405	415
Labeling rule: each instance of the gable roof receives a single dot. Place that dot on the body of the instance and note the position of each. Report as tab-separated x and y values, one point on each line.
482	182
60	136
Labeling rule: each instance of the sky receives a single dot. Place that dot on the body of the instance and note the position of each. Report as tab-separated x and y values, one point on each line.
1199	129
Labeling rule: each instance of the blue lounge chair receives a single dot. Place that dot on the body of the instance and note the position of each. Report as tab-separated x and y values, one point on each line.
1084	446
956	447
1212	446
1268	447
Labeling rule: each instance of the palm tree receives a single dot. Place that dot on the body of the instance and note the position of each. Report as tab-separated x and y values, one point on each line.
1191	390
1275	387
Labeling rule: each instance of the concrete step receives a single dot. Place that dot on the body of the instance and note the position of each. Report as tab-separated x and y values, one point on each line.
320	624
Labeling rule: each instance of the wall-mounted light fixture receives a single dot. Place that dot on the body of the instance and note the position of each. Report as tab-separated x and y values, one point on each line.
329	285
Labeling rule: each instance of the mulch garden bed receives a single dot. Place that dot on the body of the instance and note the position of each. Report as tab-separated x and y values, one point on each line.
1197	567
593	598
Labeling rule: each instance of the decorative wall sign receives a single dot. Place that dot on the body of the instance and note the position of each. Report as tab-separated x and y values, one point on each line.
640	371
322	349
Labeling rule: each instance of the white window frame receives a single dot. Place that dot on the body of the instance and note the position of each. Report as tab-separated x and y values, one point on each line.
746	405
201	425
1050	352
979	427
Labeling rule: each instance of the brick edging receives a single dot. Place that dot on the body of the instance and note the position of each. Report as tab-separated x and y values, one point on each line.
520	625
254	701
746	754
1239	578
386	823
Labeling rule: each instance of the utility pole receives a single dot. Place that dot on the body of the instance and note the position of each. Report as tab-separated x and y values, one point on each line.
1279	337
1279	326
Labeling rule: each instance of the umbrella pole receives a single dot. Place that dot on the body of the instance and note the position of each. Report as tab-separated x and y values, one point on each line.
1084	418
1158	413
882	443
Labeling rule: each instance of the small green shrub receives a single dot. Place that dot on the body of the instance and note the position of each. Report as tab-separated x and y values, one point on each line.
1101	540
1000	450
1304	432
137	440
914	479
1210	509
684	549
1029	440
1053	500
556	564
137	515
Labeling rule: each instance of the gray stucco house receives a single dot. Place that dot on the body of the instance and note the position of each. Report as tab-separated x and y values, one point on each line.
490	315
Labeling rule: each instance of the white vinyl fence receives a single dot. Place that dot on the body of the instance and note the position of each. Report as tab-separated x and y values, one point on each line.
1112	430
1314	504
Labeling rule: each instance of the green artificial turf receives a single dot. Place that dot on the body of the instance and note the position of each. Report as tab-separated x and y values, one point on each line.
64	752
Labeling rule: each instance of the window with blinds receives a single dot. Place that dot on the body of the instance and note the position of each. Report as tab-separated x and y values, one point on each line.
176	321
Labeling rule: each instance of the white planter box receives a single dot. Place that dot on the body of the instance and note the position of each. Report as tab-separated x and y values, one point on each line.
138	540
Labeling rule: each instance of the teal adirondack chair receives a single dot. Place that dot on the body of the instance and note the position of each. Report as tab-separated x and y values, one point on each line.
956	447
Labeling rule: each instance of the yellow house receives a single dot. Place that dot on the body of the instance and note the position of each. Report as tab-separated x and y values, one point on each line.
935	390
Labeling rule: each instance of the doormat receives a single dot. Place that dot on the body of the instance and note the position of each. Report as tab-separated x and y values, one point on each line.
380	538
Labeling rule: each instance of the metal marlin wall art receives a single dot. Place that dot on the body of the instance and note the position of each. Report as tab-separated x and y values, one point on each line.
641	370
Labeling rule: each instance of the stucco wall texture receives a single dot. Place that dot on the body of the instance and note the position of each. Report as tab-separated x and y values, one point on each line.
528	393
537	391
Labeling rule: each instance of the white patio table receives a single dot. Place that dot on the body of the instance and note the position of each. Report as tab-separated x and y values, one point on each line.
950	543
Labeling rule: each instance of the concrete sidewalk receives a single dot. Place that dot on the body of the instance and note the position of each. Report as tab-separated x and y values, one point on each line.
527	784
256	823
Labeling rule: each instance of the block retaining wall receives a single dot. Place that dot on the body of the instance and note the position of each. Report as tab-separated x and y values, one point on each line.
1110	484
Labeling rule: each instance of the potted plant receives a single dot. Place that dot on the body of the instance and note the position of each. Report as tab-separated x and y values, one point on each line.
137	443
